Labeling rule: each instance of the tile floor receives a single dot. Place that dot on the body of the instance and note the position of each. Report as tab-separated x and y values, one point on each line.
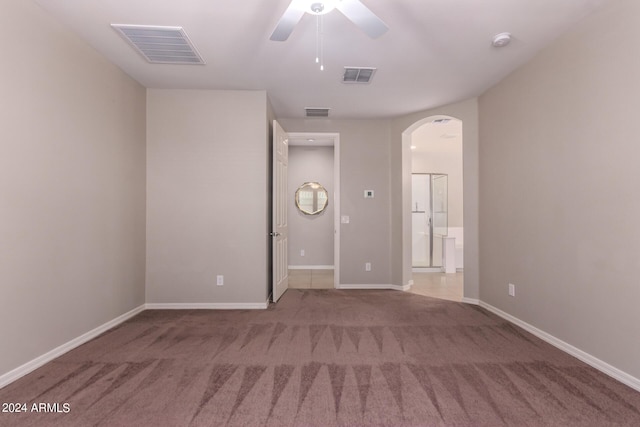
311	279
435	285
439	285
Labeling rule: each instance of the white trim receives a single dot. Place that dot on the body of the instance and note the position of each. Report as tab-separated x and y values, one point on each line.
379	286
433	270
472	301
409	285
336	209
311	267
208	306
31	366
600	365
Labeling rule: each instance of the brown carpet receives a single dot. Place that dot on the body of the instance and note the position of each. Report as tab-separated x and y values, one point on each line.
323	358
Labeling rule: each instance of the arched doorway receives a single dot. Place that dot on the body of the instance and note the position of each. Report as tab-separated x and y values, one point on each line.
435	146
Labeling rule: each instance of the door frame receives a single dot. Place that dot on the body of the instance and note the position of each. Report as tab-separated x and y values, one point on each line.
335	137
468	201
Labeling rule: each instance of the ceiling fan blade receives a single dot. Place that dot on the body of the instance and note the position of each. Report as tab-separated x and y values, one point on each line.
289	20
362	16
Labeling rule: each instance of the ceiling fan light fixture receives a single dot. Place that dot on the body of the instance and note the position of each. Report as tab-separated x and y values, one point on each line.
315	7
354	10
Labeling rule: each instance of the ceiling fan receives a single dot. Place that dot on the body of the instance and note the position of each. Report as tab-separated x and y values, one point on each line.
354	10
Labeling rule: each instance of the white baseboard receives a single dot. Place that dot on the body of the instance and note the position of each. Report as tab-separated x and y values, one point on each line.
11	376
208	306
379	286
593	361
409	284
311	267
31	366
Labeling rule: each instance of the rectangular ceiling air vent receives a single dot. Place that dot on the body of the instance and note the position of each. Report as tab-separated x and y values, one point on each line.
358	74
160	45
316	112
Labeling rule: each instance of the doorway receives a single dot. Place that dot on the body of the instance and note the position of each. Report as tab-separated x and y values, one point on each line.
436	208
314	240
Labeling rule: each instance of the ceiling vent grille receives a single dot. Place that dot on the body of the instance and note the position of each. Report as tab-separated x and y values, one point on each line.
160	45
316	112
360	75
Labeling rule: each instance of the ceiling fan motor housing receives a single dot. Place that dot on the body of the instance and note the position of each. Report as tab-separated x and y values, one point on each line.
317	8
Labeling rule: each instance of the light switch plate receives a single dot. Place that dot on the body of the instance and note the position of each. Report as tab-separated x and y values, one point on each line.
369	194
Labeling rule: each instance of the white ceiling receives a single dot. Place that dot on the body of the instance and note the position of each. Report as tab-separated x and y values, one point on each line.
435	52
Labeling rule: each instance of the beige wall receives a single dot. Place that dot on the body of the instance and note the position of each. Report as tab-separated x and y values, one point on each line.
72	192
559	186
400	153
371	157
311	233
207	206
364	165
558	179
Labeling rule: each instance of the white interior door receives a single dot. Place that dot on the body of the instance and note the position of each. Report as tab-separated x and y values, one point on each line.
279	230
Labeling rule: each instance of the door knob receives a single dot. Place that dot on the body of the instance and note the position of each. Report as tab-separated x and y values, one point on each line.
274	234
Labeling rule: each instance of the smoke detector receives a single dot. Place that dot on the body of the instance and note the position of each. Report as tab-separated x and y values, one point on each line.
501	40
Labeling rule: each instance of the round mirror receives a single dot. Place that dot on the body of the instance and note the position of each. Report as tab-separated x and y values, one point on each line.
311	198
